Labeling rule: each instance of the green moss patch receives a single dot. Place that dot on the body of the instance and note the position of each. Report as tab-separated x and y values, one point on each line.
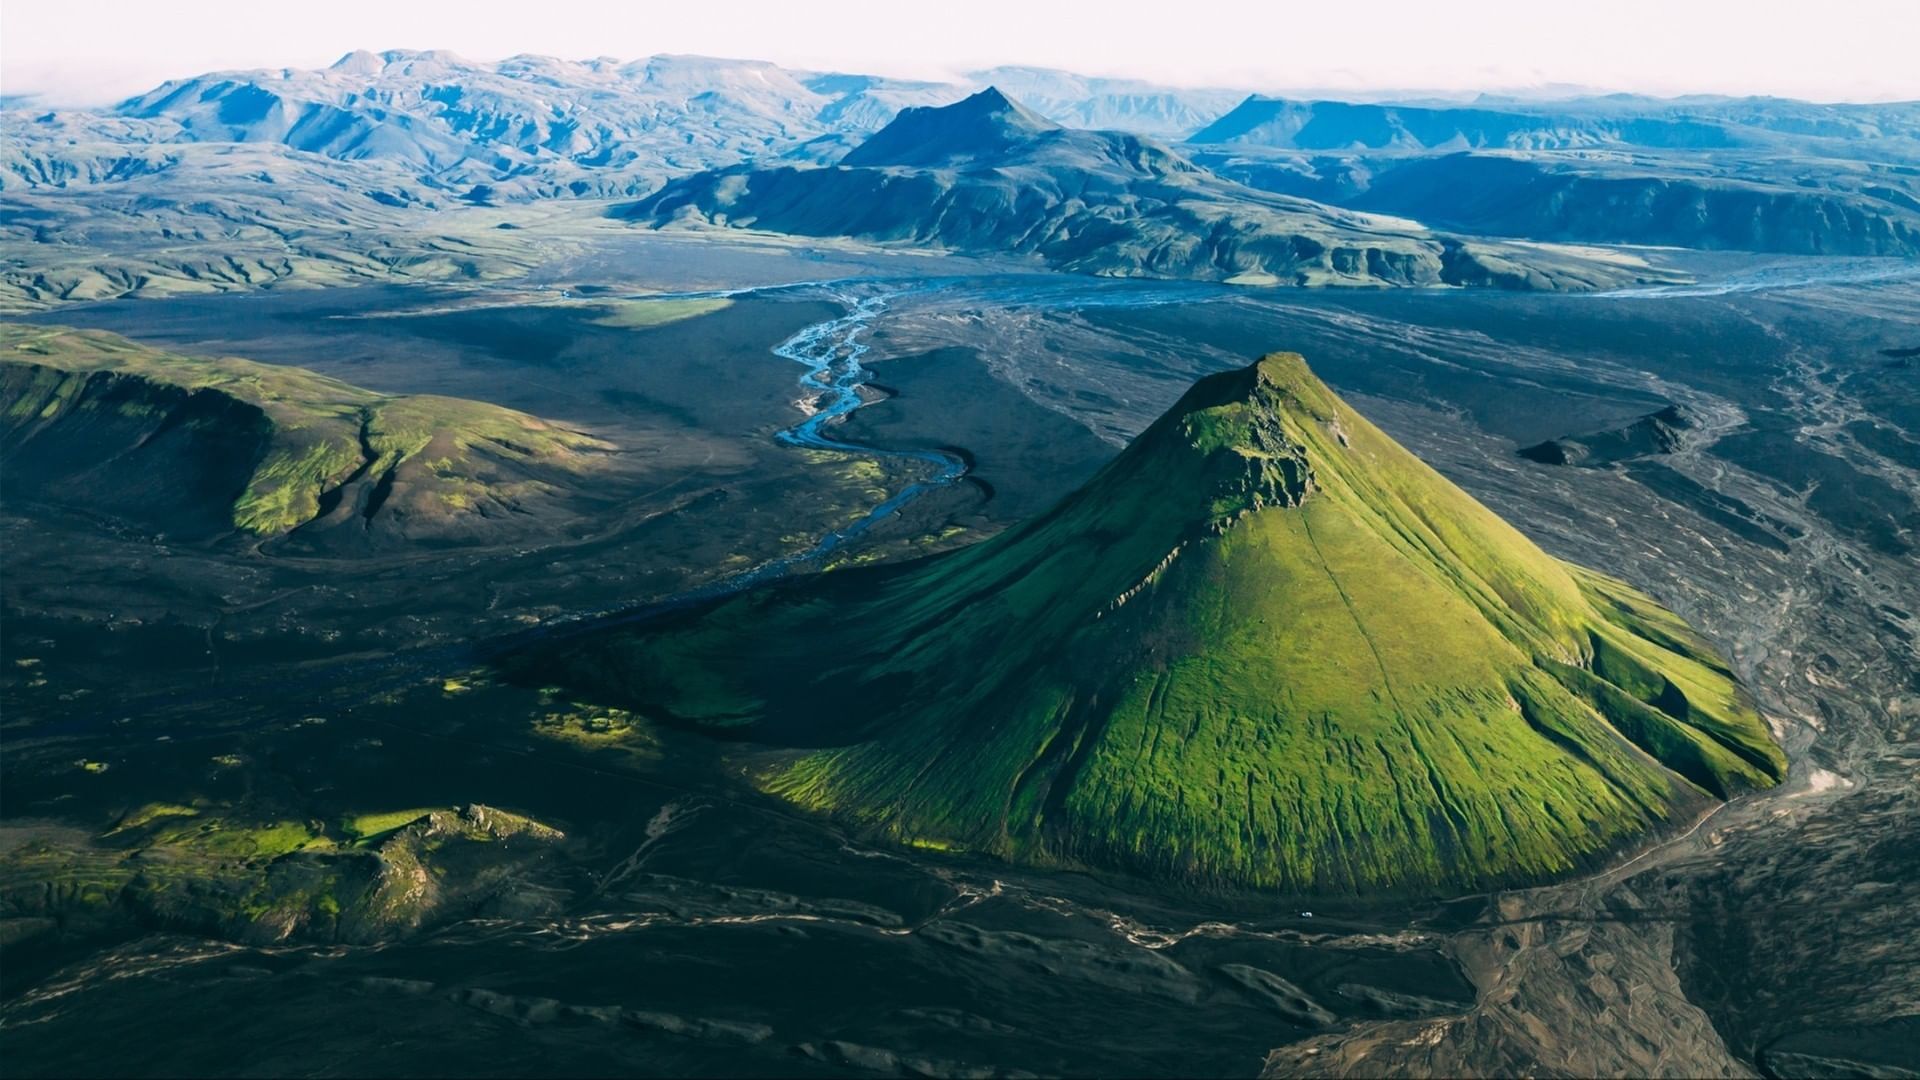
644	313
367	828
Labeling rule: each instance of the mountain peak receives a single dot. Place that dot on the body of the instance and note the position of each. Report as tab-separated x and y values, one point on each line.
1257	384
978	127
1230	446
359	62
992	102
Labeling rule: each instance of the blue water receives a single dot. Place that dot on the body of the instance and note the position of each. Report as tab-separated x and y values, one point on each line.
831	353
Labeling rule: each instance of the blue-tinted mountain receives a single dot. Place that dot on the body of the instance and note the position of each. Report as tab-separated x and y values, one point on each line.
1731	200
990	130
531	123
1890	131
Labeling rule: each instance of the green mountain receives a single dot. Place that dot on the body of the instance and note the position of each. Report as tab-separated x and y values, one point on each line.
1265	646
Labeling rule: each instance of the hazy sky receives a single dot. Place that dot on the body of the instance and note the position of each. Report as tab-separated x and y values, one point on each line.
91	51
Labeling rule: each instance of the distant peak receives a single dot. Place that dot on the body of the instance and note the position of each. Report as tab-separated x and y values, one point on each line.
975	128
992	102
358	62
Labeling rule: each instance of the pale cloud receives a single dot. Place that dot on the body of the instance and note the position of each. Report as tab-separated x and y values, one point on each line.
93	51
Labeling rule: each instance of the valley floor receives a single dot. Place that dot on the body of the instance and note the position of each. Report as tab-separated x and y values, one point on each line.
241	706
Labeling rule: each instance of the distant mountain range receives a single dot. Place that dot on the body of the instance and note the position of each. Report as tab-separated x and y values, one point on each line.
1752	174
989	176
1620	120
347	173
1723	201
535	126
529	125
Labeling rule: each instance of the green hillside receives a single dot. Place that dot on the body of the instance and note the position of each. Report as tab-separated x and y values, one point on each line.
205	446
1265	646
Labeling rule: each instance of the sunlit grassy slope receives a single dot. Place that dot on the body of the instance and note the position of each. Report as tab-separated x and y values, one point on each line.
212	868
306	436
1265	646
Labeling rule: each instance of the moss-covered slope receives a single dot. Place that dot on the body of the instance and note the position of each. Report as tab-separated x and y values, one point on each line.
1265	646
199	446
